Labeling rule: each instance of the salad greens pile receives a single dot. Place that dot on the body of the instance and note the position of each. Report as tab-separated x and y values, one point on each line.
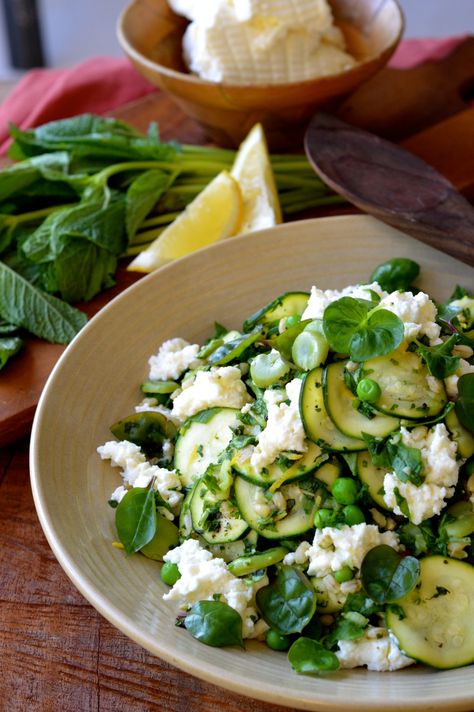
84	192
363	385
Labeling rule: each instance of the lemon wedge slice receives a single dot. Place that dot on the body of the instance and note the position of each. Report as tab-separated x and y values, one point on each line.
253	171
214	214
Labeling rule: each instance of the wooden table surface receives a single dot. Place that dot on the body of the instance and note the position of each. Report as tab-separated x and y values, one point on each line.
56	651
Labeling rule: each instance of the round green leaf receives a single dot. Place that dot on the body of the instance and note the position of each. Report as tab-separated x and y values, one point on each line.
309	657
386	575
215	623
287	604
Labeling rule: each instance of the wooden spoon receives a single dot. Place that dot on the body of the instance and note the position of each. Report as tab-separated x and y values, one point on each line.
392	184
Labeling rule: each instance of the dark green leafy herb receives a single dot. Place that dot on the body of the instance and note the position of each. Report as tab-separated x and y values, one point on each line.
361	329
215	623
45	316
88	189
397	273
147	429
234	348
465	403
309	657
439	359
393	455
136	518
289	602
386	576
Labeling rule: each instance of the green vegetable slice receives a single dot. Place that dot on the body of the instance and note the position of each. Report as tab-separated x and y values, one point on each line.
404	387
340	401
436	626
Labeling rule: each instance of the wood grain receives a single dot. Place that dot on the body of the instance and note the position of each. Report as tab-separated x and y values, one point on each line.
56	651
394	185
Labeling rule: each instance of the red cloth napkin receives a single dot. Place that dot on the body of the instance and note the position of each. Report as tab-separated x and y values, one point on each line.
101	84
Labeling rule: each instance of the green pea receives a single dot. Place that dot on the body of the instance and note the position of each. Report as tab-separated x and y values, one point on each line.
353	515
169	573
344	574
276	641
368	390
323	518
345	490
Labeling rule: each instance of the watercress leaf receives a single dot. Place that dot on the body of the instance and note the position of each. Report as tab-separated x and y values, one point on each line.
397	273
464	407
349	625
215	623
135	519
406	462
386	576
439	359
382	332
142	194
360	603
308	657
43	315
9	346
341	320
289	602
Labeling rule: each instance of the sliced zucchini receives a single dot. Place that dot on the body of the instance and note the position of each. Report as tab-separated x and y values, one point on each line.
462	436
201	440
406	390
288	304
285	513
283	469
372	477
329	472
317	424
217	520
339	402
437	627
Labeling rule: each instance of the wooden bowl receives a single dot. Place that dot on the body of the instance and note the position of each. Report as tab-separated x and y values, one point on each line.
151	35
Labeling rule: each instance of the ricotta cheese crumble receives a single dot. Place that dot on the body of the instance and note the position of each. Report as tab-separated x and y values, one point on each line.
261	42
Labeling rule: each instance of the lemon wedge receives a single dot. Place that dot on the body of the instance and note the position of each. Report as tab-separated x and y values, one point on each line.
214	214
253	171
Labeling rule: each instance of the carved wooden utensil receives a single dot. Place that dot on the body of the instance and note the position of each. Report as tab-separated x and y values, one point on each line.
392	184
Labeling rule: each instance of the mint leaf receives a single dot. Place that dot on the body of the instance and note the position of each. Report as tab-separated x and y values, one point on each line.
45	316
143	193
406	462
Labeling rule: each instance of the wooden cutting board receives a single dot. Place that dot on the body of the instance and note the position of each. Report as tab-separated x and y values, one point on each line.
429	109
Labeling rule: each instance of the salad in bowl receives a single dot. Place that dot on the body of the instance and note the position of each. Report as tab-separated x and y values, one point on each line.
308	480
